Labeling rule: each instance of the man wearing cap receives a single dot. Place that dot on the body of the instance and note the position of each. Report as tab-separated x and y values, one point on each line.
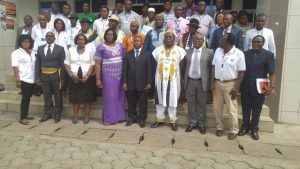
100	25
75	27
151	18
88	32
206	21
169	58
127	16
187	38
179	24
114	24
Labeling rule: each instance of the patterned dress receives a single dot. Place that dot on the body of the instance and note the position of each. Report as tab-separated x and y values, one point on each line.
111	73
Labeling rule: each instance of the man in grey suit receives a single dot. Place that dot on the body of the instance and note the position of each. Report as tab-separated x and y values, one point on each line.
196	83
227	28
49	73
137	79
26	29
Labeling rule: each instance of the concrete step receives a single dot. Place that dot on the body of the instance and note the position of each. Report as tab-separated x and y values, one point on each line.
266	123
13	95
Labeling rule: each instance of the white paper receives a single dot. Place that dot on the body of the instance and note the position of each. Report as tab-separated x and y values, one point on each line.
258	81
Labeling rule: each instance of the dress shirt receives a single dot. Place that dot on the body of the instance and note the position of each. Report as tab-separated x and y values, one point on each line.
84	60
228	30
189	12
63	39
227	65
180	26
198	76
55	16
46	48
39	35
25	63
135	52
125	20
67	23
266	33
168	16
206	23
100	25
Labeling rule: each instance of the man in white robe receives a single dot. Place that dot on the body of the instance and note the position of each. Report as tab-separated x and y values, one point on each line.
169	58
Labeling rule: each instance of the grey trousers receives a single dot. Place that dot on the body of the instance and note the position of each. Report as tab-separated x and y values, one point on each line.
50	86
196	99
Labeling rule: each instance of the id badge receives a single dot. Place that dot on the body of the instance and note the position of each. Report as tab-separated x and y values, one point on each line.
154	38
177	30
167	61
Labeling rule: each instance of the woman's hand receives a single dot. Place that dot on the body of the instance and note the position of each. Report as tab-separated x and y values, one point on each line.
84	79
74	78
99	84
18	84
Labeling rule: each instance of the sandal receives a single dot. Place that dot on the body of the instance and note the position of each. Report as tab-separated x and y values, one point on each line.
86	120
75	121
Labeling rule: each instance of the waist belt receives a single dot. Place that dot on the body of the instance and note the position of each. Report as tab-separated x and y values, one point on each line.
47	70
232	80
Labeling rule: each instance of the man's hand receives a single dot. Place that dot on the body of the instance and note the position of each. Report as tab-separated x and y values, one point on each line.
269	90
125	87
148	87
18	84
99	84
234	93
38	82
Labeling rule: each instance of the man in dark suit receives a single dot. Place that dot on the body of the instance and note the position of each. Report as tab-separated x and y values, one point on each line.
49	73
196	83
260	63
227	28
137	79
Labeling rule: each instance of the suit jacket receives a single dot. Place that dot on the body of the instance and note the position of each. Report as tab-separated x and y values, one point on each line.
218	33
19	32
137	72
205	66
56	60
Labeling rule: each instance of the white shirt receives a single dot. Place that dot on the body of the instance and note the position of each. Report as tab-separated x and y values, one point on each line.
25	63
74	32
67	23
206	23
228	29
139	52
195	64
125	20
46	48
55	16
100	25
266	33
39	35
63	39
84	60
229	64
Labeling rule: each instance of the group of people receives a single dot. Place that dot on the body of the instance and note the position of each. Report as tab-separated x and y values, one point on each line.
171	55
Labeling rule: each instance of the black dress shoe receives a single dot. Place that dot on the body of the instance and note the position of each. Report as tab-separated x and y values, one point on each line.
189	128
45	118
255	135
156	124
57	119
129	122
173	126
243	131
202	130
142	124
37	93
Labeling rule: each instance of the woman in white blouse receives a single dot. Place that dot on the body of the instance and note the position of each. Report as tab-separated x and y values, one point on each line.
62	37
79	65
23	63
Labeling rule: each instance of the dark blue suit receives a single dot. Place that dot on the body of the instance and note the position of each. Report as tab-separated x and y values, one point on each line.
258	65
218	33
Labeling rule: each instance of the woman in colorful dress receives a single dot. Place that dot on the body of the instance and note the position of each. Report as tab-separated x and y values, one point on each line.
109	59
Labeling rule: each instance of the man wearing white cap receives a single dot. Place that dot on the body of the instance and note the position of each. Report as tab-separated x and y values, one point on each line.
169	58
151	16
113	22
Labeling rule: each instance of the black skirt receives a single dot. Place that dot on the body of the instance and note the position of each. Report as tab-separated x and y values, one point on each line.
80	93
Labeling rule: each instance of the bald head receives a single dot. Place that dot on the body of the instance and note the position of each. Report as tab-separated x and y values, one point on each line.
134	27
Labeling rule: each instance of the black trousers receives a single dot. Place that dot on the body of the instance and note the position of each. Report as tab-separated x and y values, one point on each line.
132	98
26	89
251	107
51	86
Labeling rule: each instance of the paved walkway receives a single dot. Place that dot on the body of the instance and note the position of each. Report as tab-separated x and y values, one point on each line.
94	146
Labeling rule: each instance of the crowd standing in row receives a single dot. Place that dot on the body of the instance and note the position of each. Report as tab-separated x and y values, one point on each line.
167	56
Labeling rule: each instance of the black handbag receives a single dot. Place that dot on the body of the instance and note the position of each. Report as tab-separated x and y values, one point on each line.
2	87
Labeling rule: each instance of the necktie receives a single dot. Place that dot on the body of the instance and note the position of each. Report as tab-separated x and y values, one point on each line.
48	51
196	62
136	53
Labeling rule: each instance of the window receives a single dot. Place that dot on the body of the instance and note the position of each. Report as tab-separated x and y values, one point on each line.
47	5
95	5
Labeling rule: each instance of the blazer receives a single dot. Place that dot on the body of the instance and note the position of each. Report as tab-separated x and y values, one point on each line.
137	72
205	66
56	60
218	33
